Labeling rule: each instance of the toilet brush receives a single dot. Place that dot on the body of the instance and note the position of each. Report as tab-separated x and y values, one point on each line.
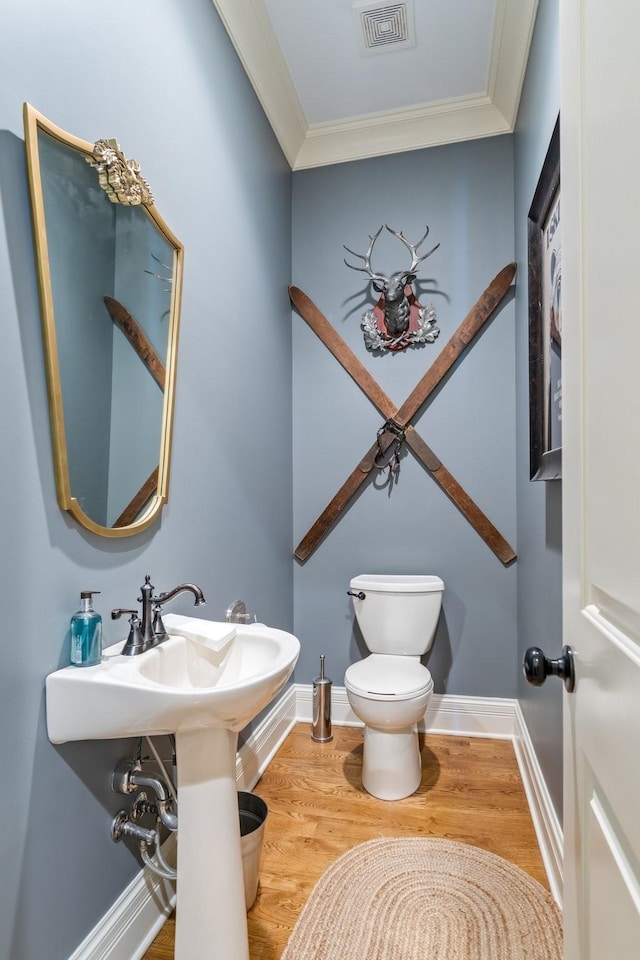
321	722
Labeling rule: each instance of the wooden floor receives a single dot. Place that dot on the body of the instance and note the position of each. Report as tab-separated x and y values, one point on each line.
471	791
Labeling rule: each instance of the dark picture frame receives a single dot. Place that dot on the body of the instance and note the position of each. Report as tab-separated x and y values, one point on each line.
545	319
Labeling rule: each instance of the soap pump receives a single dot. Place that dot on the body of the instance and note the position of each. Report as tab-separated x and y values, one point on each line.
86	633
321	722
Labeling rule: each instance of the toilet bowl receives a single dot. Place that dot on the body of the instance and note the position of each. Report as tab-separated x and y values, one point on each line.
389	691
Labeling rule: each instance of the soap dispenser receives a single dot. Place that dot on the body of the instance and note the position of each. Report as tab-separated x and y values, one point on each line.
86	633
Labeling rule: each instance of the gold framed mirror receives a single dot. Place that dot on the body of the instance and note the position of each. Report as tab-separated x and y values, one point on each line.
110	281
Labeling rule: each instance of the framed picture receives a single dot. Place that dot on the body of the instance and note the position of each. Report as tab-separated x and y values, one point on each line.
545	320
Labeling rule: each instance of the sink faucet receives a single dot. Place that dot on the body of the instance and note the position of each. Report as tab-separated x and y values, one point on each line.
148	631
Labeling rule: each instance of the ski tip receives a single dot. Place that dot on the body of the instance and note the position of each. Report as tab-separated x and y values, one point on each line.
502	281
303	550
296	295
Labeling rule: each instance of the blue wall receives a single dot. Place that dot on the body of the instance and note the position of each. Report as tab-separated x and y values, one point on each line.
464	192
166	82
539	503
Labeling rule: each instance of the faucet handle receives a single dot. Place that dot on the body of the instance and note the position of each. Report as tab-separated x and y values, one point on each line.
117	613
158	625
135	641
237	613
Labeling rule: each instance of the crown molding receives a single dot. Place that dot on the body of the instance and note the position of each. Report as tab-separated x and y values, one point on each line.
255	42
426	125
431	125
512	36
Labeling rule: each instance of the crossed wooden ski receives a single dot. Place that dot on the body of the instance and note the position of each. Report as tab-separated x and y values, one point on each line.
400	416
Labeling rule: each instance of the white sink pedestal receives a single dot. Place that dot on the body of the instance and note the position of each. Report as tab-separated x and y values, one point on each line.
211	921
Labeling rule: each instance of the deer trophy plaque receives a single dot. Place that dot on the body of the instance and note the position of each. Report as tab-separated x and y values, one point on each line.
398	320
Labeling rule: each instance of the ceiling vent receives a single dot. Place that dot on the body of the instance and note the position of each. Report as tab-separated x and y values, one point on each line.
384	26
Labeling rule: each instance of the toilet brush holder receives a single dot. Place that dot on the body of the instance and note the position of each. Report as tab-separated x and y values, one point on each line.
321	716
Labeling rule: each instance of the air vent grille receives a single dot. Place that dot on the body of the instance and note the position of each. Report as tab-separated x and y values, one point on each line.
384	26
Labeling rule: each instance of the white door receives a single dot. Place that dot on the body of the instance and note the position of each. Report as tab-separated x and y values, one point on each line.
600	196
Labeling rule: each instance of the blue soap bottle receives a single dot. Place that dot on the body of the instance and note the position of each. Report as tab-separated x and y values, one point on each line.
86	633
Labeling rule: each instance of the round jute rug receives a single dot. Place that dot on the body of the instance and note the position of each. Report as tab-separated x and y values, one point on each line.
417	898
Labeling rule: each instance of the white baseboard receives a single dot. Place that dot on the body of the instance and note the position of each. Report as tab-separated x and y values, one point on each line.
462	716
470	716
341	713
256	753
130	926
545	820
127	930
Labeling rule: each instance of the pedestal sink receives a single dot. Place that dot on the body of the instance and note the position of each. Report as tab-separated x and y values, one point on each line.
203	687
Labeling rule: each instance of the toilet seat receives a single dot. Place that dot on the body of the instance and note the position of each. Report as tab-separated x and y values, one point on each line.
387	677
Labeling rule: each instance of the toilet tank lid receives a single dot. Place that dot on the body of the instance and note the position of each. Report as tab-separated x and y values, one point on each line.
397	583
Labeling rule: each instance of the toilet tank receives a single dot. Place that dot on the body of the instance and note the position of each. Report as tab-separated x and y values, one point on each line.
398	614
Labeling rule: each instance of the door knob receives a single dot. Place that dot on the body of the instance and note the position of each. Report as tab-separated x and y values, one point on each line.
537	667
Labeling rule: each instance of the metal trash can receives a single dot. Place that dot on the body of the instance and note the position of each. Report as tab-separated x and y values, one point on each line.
253	814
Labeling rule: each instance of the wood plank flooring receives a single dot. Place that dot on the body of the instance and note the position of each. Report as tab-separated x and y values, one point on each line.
471	791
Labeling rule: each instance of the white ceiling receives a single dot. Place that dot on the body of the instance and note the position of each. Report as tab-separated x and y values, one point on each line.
330	100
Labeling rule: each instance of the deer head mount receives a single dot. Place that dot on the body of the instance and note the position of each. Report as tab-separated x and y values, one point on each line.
398	320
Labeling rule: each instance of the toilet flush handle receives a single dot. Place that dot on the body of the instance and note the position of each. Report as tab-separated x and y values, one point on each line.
360	595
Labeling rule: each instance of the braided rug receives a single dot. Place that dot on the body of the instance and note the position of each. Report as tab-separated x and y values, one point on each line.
417	898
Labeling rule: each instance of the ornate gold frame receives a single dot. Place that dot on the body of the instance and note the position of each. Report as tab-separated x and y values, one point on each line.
34	121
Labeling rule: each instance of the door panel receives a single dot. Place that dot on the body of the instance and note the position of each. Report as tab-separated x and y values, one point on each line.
614	891
600	195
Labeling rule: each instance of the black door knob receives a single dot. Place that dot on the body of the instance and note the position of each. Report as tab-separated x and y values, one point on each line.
537	667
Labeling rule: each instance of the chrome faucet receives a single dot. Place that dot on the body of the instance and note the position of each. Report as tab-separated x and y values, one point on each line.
148	631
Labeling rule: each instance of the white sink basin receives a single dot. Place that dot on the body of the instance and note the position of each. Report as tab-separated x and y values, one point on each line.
180	685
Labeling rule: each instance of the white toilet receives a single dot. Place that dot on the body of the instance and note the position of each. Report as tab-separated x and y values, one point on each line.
390	689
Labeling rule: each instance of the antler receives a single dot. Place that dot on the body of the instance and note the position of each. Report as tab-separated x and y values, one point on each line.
367	259
412	247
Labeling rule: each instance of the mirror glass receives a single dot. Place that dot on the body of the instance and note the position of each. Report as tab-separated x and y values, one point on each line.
110	273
